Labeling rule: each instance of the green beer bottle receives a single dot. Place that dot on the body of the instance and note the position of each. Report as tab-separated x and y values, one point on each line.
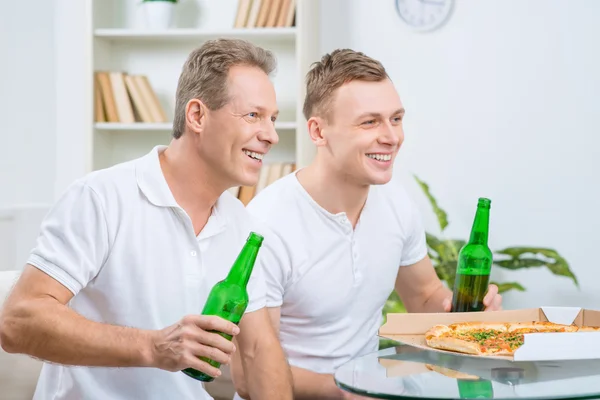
475	389
474	264
228	299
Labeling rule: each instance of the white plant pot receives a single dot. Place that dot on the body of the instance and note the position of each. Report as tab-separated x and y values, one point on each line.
158	14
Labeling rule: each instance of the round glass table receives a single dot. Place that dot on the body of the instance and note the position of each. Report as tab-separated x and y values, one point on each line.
406	372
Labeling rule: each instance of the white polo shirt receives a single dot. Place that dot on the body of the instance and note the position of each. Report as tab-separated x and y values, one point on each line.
118	240
332	281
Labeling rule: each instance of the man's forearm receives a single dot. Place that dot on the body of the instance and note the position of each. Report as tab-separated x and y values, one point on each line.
309	385
268	376
48	330
435	302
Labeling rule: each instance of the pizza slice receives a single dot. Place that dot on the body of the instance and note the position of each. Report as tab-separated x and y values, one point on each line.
470	338
491	338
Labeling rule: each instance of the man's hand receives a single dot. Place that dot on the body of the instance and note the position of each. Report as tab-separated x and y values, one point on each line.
178	346
492	300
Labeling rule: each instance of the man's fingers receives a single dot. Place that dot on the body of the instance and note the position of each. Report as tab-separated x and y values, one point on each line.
212	339
491	293
447	304
214	323
498	302
212	353
202	366
217	341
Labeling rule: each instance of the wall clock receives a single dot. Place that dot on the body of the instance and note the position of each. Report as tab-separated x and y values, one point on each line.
424	15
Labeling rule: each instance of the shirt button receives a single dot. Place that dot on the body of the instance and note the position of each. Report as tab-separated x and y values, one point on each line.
193	253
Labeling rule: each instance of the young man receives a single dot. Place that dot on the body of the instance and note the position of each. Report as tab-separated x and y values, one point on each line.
342	234
135	249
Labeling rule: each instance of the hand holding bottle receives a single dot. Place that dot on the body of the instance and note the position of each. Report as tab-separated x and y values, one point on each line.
492	300
179	346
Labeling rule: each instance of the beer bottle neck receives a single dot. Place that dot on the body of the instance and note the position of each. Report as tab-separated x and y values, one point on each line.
479	231
244	264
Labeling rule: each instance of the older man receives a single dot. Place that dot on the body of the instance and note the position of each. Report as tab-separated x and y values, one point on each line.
111	293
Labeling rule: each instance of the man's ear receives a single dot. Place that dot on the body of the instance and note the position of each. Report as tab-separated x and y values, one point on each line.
316	129
195	115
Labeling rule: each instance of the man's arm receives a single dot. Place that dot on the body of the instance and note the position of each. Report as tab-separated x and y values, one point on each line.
420	289
36	321
262	361
307	384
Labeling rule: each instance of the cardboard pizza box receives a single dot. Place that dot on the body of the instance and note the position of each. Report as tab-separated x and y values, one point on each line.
410	328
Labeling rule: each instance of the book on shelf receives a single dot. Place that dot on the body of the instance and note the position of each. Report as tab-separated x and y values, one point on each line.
269	173
265	14
124	98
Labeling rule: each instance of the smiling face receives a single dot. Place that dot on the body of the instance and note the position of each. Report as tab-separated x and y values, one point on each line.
362	133
234	138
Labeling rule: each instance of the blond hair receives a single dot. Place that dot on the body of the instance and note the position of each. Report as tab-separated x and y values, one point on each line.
335	69
204	74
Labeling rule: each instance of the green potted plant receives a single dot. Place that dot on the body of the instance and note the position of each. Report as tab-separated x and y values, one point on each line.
159	13
444	255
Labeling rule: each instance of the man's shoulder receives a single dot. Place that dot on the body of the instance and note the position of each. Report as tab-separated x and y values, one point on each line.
118	176
108	183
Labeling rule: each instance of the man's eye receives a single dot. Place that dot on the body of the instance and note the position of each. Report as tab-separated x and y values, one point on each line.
273	119
369	122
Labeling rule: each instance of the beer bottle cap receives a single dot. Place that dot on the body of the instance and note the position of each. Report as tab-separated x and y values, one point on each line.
255	238
484	203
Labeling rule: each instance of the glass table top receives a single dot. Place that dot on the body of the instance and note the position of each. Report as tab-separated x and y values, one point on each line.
406	372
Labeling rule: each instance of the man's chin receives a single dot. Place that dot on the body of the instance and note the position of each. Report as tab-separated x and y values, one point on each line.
380	179
247	180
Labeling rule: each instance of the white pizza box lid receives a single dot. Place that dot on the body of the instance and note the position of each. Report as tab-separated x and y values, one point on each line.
410	328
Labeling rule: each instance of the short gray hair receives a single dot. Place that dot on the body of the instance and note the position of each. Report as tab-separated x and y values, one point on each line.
204	74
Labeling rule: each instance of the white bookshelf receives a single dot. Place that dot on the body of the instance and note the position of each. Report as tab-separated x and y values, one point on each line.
167	126
110	35
270	34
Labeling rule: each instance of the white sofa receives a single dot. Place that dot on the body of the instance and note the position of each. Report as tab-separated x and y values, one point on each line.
18	373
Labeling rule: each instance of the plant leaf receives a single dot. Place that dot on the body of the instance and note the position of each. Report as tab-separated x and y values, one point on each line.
525	257
446	250
453	247
506	286
441	215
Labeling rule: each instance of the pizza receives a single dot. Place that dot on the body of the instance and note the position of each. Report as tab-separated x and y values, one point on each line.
491	338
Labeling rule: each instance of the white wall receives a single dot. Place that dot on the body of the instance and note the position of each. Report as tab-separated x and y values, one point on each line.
27	102
28	129
502	102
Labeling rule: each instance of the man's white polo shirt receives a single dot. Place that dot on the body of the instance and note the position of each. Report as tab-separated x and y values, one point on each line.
331	280
118	240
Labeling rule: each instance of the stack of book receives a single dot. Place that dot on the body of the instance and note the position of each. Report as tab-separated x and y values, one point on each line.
265	14
269	173
120	97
